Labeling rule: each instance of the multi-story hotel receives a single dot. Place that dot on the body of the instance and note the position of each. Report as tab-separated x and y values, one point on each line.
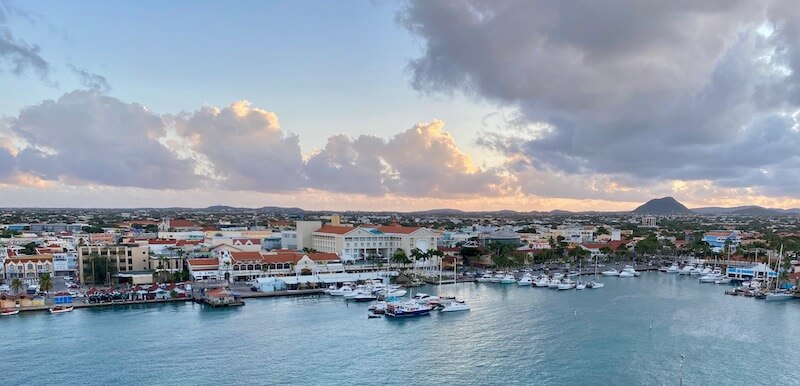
356	243
127	257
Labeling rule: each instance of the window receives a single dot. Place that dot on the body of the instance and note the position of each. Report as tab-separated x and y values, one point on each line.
30	266
129	254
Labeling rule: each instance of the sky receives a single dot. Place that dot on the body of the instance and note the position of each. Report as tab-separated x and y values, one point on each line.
377	105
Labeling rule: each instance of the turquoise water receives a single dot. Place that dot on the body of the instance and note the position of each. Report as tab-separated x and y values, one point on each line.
632	331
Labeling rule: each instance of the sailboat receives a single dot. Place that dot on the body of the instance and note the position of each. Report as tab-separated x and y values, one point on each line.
594	283
775	294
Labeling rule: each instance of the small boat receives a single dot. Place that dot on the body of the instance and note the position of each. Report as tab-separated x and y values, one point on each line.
566	284
60	309
8	312
629	269
498	277
573	274
526	280
378	308
687	269
778	296
542	281
422	298
554	284
595	284
454	306
610	272
365	297
723	280
373	316
343	290
485	278
508	279
674	268
407	310
580	285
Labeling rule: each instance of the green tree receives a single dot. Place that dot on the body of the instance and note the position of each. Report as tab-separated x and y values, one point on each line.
17	285
45	283
29	248
400	257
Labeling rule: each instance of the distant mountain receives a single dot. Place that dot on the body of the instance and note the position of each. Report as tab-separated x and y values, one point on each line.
438	212
662	207
747	210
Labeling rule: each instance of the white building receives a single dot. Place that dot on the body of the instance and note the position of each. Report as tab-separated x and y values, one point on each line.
364	242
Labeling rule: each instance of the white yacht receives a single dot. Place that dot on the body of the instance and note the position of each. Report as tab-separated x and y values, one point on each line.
611	272
341	291
723	280
779	296
454	306
629	270
580	285
687	269
566	284
508	279
498	277
525	280
674	268
542	281
554	284
422	298
595	284
626	274
698	271
485	278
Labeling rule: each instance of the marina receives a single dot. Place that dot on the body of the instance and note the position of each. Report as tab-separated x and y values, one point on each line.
632	331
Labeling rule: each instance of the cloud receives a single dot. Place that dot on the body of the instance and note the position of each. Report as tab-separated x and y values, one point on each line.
422	161
636	91
84	137
245	147
91	80
16	55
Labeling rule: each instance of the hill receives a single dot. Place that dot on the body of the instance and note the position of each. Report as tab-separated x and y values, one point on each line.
662	207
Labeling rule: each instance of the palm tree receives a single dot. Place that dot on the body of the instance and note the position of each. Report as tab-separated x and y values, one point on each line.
45	283
17	285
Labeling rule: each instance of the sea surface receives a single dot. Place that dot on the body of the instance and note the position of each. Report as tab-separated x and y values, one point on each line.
632	331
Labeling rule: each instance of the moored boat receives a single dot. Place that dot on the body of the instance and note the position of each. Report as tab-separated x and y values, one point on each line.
674	268
60	309
526	280
485	278
508	279
610	272
407	310
8	312
454	306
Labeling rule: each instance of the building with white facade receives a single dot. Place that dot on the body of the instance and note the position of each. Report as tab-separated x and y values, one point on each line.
372	242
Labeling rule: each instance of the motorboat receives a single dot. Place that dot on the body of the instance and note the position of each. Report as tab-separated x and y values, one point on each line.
698	271
631	270
557	276
341	291
526	280
778	296
595	284
580	285
508	279
610	272
566	284
378	308
706	271
687	269
60	309
422	298
626	274
365	297
573	274
674	268
407	310
542	281
454	306
498	277
485	278
723	280
8	312
710	278
356	292
397	292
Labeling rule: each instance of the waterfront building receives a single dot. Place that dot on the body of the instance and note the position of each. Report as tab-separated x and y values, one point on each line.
305	229
358	243
203	268
28	267
236	266
717	239
128	258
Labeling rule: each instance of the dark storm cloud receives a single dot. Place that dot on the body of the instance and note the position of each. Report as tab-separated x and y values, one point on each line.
650	90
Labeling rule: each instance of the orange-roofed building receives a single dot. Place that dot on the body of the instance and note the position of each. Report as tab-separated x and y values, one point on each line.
380	242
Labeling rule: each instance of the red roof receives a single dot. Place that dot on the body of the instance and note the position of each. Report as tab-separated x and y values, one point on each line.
397	229
182	243
323	256
203	261
181	224
719	234
246	256
339	230
290	257
246	240
162	241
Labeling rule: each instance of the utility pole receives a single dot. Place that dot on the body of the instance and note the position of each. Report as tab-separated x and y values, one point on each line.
681	380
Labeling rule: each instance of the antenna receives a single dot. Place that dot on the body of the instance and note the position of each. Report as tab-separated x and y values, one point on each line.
681	381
